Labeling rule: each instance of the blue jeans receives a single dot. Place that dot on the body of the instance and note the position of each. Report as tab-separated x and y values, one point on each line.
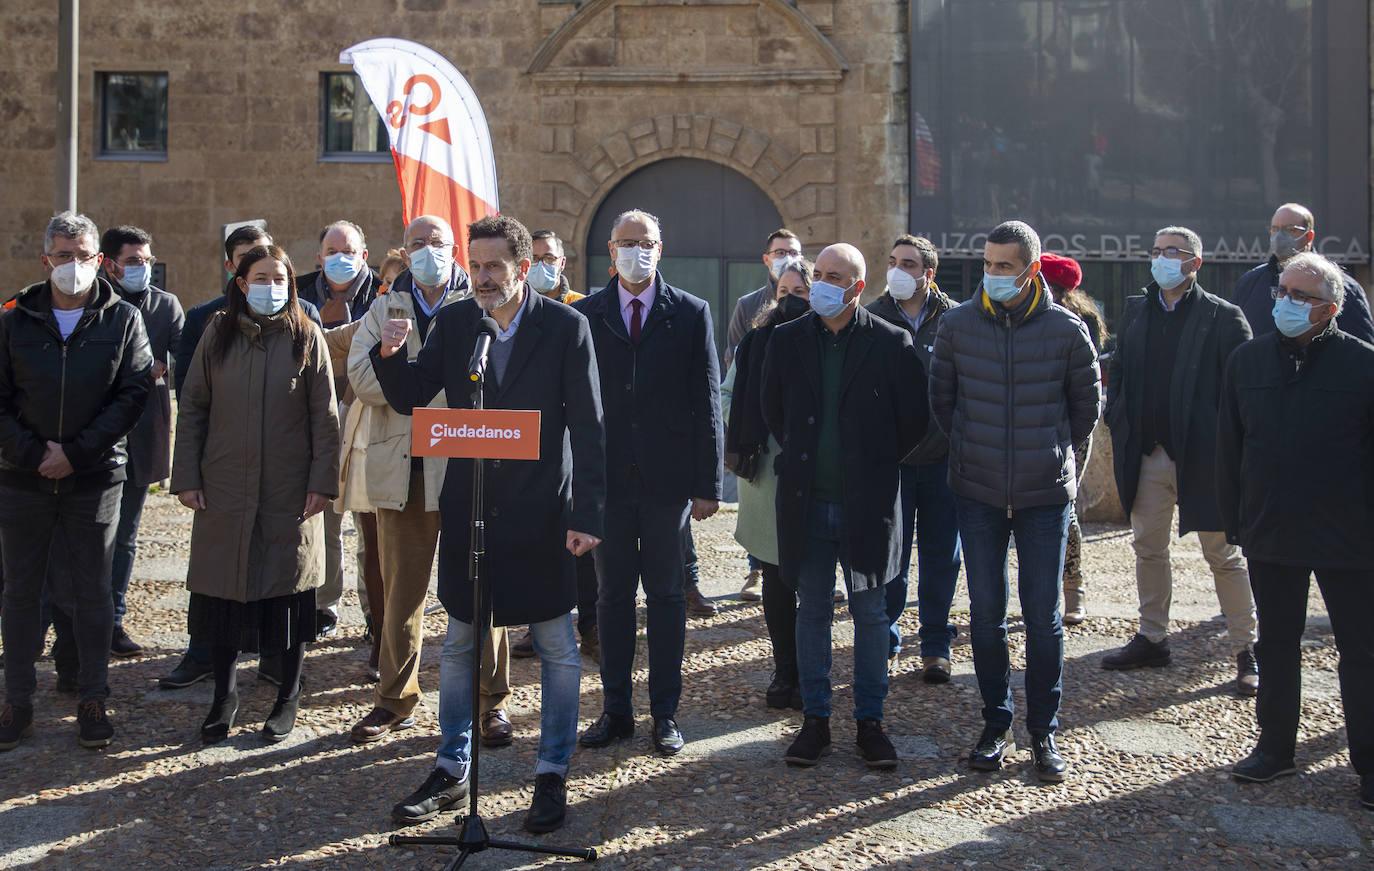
126	545
560	681
1040	534
928	513
827	542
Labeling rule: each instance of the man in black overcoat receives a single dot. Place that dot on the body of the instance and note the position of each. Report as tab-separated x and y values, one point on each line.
539	514
660	381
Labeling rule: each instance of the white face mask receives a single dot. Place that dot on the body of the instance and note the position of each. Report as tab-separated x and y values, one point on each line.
74	277
781	263
900	285
636	265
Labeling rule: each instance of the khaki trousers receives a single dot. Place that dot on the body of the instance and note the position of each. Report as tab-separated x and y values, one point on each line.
1152	524
407	540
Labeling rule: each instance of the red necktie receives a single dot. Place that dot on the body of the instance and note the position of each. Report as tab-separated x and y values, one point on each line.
636	324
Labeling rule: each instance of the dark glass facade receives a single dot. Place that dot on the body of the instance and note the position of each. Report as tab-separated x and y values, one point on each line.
1100	121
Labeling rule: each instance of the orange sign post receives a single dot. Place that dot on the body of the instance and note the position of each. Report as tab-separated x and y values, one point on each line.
491	434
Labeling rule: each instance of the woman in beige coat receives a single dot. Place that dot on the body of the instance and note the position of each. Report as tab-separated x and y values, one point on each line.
257	455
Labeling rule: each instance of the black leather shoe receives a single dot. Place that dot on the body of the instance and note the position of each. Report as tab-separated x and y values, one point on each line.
811	743
608	727
187	672
220	719
991	747
667	737
439	792
1050	767
550	805
1139	652
1261	767
781	690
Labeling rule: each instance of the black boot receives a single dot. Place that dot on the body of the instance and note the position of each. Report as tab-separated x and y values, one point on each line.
282	719
220	719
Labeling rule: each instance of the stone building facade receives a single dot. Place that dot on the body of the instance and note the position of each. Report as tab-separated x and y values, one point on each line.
805	99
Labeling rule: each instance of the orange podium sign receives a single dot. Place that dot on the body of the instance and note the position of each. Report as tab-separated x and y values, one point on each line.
492	434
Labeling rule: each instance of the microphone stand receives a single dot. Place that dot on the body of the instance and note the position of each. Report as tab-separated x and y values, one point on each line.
472	830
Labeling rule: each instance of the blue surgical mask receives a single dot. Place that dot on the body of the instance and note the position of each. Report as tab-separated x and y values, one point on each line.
542	277
341	267
136	278
1002	288
827	300
1167	272
267	299
430	265
1292	318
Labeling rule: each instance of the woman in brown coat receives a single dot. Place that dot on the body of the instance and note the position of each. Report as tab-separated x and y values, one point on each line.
257	454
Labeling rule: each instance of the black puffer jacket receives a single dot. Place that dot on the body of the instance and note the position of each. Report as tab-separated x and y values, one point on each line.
1014	392
1295	451
935	444
85	393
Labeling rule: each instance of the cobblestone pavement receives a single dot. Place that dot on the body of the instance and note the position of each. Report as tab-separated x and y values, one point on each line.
1150	751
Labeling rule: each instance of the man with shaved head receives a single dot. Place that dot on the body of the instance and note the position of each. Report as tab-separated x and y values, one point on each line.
1293	230
844	393
405	492
1015	386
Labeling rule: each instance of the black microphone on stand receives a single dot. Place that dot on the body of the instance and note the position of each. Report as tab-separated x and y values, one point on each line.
487	330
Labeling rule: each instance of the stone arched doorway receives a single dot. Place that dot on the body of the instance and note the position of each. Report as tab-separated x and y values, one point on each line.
715	222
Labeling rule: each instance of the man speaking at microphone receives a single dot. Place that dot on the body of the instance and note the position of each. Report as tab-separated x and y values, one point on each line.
539	514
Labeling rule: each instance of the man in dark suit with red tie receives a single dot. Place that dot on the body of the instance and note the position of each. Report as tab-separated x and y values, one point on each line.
660	387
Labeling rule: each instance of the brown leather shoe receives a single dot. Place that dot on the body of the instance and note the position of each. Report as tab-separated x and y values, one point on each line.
377	723
697	605
935	669
495	729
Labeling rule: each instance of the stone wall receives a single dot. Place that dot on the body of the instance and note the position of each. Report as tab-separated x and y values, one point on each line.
807	99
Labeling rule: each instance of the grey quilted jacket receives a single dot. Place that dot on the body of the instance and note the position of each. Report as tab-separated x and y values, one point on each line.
1014	391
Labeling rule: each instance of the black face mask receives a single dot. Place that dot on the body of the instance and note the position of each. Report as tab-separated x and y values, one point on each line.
790	308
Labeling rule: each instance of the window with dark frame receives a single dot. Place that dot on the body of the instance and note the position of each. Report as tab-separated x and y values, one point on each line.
350	125
133	114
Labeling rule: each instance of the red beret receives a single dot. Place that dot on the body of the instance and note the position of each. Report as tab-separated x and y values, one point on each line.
1061	270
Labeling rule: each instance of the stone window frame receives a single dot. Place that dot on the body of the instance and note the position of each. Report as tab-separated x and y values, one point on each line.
327	156
102	149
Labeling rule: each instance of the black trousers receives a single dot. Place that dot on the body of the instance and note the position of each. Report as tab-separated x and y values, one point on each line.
1281	603
29	519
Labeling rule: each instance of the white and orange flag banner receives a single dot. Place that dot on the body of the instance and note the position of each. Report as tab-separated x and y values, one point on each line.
439	135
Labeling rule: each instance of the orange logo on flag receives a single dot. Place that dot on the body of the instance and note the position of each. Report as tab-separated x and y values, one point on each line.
492	434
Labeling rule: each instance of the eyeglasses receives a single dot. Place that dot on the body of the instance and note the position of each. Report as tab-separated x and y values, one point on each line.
421	243
1170	252
548	259
642	244
68	256
1297	296
139	261
1294	230
784	252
